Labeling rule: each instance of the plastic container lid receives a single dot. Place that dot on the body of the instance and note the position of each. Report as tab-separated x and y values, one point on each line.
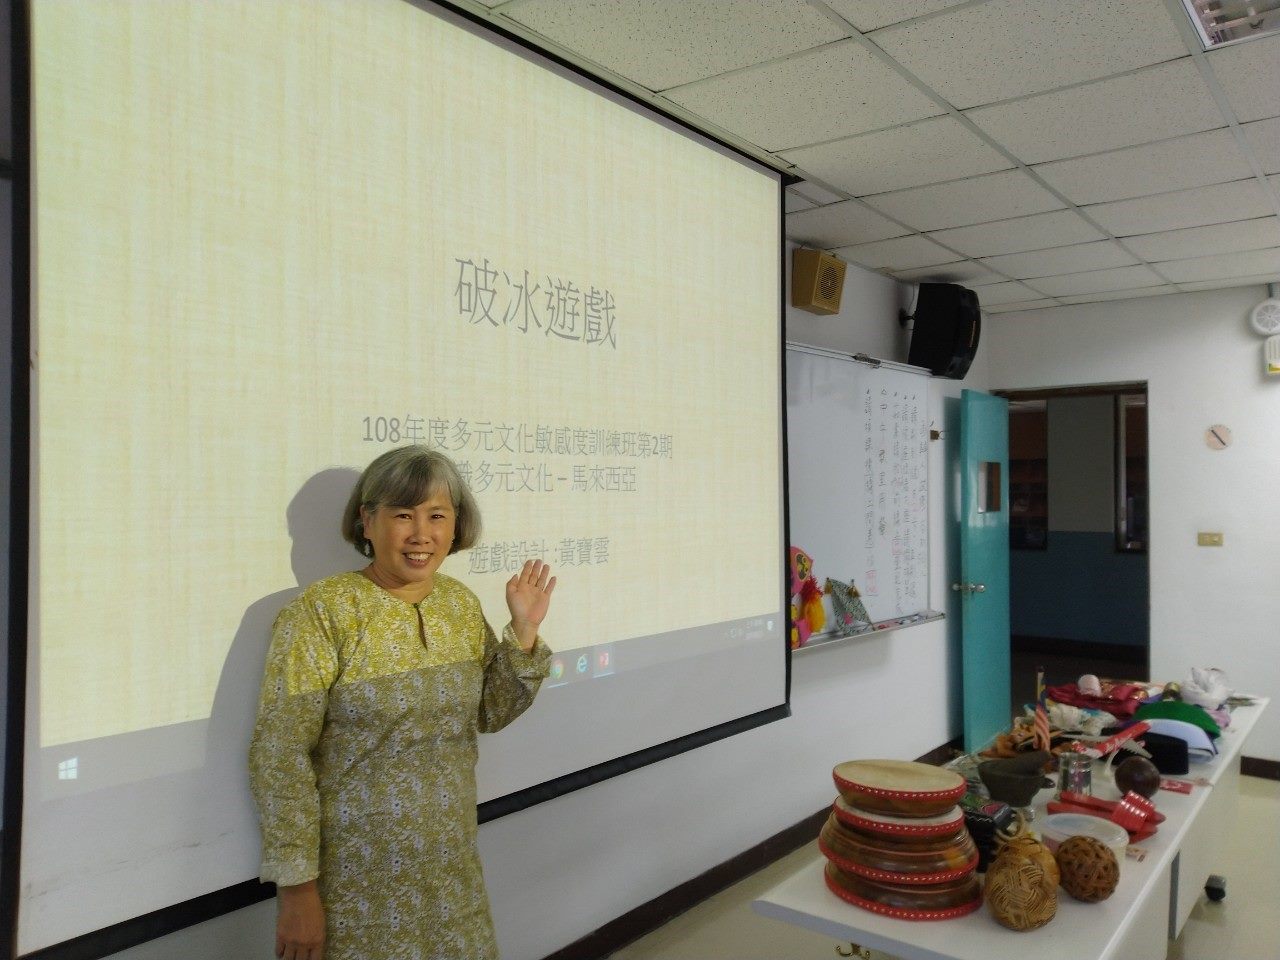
1058	827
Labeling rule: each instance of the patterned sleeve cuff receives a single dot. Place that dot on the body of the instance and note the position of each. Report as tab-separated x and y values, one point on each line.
284	873
535	663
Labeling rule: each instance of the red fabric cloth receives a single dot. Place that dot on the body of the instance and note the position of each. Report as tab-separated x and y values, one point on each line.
1120	708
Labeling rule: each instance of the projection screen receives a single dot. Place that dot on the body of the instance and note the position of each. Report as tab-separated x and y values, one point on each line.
272	240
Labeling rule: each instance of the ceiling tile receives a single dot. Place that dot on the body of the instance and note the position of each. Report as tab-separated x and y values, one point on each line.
1008	292
868	15
965	272
840	224
1097	281
1223	265
1159	102
1250	76
1260	278
1010	48
812	191
1196	160
900	254
1121	294
1036	232
1200	241
996	196
1220	203
661	45
793	202
1072	259
1263	137
1019	305
851	91
928	151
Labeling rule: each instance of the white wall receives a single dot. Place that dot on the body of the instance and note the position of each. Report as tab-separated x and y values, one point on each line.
1209	606
1081	436
560	870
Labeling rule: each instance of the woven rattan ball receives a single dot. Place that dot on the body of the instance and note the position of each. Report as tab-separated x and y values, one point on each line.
1089	869
1020	893
1029	848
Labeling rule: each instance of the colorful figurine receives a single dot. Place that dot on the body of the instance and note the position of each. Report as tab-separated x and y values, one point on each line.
807	615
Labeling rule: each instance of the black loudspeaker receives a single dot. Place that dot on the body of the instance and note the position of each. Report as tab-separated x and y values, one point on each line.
944	337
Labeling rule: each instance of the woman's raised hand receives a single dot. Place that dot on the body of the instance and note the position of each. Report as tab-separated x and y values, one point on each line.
528	599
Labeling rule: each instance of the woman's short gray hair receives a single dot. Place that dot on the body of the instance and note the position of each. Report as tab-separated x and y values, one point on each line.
405	477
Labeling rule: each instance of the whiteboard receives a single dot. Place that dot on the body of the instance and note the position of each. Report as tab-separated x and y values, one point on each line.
858	458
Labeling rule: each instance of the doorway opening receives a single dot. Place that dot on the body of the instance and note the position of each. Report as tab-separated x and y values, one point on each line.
1079	577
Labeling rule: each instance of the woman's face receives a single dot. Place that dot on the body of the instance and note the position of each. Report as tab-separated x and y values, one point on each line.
410	543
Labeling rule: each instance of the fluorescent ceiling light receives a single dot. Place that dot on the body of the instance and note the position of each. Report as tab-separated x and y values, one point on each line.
1226	21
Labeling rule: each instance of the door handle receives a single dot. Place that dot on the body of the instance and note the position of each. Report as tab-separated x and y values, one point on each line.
969	587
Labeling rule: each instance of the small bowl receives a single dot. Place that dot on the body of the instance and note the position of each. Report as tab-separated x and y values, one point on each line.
1015	781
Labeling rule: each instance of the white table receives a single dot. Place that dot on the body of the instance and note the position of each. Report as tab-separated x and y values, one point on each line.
1149	906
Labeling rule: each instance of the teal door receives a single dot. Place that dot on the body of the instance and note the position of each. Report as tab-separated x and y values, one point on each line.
983	586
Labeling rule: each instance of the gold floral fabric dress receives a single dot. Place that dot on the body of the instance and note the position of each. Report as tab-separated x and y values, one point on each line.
363	761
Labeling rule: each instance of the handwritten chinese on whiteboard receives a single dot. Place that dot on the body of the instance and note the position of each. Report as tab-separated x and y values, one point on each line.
895	451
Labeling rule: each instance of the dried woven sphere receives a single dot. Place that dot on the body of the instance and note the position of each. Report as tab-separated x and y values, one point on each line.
1020	893
1089	869
1029	848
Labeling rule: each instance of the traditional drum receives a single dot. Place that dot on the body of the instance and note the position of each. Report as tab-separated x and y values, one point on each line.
897	844
901	829
938	901
922	861
900	788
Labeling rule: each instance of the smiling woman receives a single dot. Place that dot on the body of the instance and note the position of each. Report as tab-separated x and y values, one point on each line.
409	511
363	757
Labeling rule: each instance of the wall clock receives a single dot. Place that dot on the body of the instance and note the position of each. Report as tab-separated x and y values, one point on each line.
1217	437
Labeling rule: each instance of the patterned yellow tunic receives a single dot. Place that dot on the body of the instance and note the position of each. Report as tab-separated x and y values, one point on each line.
363	756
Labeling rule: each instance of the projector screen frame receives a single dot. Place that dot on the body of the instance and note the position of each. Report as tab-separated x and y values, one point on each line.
19	518
137	930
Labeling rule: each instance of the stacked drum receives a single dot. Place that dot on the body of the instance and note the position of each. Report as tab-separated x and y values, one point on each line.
896	843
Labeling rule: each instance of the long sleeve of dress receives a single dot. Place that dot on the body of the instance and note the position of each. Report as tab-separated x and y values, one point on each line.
511	678
301	667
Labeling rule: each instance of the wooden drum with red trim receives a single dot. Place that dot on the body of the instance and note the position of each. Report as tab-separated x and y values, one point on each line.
901	788
905	830
897	844
937	860
939	901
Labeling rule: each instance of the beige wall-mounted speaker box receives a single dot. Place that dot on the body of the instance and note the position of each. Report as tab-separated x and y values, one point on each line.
817	279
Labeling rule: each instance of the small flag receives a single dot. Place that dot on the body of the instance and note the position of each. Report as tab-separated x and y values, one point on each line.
1042	727
1042	715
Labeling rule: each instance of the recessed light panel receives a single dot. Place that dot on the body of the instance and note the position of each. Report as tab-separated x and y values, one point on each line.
1226	21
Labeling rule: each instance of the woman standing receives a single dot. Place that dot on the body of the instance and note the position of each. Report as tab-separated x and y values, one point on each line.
363	756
